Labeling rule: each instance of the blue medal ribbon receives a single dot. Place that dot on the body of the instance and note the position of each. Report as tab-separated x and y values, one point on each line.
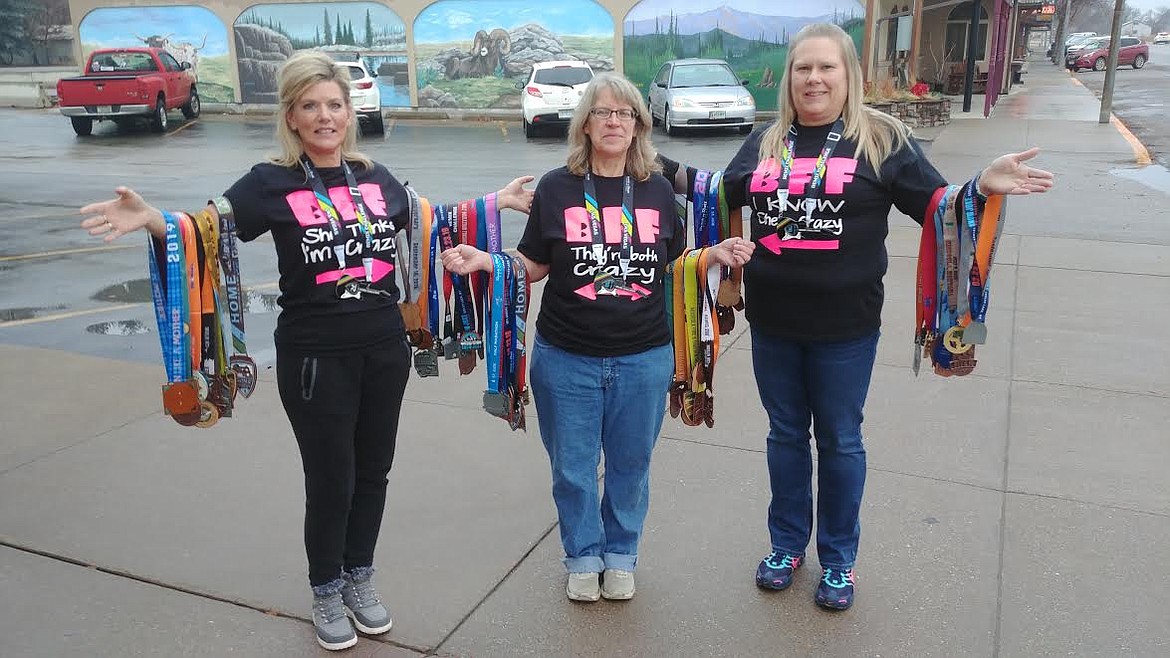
171	305
496	321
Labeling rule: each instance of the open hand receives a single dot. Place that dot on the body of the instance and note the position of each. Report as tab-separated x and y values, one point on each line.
465	259
1008	174
732	252
515	196
125	214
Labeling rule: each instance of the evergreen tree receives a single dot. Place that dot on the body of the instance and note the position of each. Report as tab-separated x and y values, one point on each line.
337	36
369	30
328	30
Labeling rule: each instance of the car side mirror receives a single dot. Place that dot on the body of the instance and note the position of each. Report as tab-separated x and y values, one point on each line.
186	66
744	82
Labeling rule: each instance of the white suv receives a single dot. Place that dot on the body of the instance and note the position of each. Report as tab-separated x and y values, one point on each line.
364	95
552	92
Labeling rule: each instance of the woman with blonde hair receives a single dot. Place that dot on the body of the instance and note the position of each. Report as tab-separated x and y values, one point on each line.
819	182
602	229
342	358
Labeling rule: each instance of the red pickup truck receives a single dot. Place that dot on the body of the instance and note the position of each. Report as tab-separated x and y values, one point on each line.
122	84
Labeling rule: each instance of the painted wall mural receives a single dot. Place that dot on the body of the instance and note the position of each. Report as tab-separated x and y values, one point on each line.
267	35
190	34
473	54
752	35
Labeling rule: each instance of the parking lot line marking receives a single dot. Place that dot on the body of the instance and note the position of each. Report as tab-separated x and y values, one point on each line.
183	127
61	252
70	314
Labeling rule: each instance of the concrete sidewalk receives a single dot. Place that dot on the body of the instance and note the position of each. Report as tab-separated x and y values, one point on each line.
1020	511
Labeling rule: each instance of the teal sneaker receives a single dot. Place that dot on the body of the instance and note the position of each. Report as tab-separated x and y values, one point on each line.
775	571
835	590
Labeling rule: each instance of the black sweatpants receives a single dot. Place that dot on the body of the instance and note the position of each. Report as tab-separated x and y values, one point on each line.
344	411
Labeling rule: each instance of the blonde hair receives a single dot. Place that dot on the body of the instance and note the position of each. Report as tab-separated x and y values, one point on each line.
641	158
296	76
876	134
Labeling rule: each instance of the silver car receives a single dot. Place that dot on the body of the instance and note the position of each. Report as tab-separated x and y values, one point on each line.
700	93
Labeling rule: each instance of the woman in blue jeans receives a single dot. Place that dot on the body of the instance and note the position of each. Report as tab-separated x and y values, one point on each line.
819	183
602	229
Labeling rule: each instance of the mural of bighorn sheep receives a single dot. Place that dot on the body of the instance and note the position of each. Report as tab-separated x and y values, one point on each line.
486	55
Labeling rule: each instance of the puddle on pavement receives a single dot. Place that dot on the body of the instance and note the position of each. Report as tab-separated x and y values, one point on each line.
118	328
135	290
1153	176
25	312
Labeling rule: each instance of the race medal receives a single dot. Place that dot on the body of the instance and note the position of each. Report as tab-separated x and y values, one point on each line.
726	317
497	404
786	226
180	398
221	394
201	386
411	317
450	348
728	293
953	341
246	373
426	363
208	415
975	333
963	364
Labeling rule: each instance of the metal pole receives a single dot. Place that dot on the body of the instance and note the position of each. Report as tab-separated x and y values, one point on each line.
972	36
1111	65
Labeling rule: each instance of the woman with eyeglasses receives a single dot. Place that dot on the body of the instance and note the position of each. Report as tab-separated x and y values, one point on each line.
602	229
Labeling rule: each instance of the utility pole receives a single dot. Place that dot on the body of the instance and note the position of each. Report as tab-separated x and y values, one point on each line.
1111	66
972	38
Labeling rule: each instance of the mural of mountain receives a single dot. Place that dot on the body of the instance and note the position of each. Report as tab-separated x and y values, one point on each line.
732	21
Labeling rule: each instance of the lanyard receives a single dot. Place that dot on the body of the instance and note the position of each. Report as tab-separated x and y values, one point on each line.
812	189
170	300
699	202
496	319
330	211
595	226
521	295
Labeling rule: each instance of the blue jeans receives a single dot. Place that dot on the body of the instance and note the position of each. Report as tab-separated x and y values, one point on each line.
803	383
587	405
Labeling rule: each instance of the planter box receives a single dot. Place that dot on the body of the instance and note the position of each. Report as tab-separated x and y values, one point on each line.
918	114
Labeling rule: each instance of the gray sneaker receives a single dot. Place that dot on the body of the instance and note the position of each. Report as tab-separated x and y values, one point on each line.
334	631
362	602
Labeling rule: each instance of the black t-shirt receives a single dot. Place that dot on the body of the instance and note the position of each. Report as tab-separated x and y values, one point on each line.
280	200
825	282
558	234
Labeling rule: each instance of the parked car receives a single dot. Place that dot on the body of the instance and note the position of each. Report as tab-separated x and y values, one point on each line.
552	92
1161	38
125	84
363	92
1074	40
700	94
1132	52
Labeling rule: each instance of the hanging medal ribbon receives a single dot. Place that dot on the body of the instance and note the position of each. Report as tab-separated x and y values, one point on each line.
347	286
494	402
244	367
168	287
787	223
606	283
521	298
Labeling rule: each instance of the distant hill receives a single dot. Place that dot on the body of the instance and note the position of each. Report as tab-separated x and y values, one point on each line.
739	23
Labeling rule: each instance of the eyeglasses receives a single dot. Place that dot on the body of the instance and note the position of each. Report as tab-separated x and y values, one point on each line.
604	113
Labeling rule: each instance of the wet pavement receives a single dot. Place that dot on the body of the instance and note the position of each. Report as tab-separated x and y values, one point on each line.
1141	98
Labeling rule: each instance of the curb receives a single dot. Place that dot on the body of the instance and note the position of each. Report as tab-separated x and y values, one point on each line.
1141	154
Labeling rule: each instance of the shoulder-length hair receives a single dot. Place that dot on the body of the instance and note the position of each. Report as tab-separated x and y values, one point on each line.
641	158
296	76
876	134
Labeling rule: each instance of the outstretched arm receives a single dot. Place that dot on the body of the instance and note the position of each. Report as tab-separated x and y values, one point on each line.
1008	174
127	213
465	259
515	196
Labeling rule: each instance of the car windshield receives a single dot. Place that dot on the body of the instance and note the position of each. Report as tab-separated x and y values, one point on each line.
703	75
563	75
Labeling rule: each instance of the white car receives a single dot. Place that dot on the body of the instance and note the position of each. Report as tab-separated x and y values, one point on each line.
364	95
1161	38
552	92
700	93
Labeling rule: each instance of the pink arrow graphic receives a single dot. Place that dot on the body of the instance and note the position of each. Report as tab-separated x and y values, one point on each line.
381	269
772	243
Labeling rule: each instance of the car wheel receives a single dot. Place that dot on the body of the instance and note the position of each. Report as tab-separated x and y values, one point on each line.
83	126
1139	61
670	130
158	120
529	130
377	125
653	119
191	109
1099	65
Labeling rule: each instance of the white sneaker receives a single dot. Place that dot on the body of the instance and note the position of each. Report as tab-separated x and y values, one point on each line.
617	584
583	587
